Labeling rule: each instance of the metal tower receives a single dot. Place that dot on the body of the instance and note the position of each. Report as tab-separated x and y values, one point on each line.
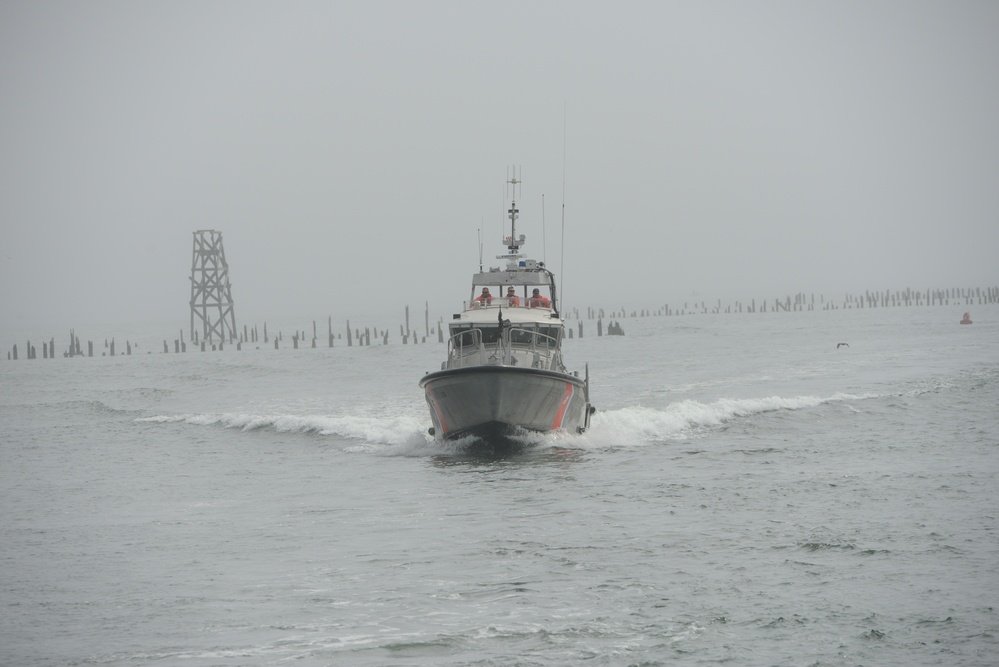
211	296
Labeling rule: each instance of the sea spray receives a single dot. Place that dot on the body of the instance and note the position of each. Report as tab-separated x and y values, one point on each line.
394	430
644	425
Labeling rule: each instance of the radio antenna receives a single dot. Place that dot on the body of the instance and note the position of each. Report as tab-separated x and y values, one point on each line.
513	182
561	262
544	241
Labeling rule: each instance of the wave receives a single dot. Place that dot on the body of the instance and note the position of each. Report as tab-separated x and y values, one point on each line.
967	380
75	406
395	430
631	425
684	418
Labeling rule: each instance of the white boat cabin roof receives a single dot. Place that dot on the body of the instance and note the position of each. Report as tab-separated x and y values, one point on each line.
528	273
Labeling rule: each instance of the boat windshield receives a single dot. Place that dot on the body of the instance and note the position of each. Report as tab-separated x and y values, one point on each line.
528	344
530	335
541	336
468	337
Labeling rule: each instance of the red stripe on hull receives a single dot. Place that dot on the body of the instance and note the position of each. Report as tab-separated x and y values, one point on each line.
563	406
437	411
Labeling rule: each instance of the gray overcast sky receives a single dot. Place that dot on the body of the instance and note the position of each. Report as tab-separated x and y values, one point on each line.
350	151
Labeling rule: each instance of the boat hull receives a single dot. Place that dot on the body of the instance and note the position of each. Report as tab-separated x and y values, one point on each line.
500	401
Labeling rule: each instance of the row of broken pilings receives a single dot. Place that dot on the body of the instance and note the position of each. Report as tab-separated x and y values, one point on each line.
806	302
797	302
253	336
246	337
74	350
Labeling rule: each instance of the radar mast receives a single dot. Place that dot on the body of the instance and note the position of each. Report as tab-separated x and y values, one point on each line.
513	242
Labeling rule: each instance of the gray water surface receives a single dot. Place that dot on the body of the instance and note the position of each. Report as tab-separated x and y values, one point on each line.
748	494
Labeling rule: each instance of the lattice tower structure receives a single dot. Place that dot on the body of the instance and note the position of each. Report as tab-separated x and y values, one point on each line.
211	293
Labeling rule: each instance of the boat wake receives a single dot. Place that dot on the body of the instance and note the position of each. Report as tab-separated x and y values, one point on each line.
406	434
688	419
397	430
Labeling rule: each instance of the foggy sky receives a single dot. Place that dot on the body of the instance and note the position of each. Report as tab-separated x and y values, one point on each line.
350	151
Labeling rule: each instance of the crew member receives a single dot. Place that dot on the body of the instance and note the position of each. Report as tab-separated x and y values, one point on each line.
538	301
511	297
485	298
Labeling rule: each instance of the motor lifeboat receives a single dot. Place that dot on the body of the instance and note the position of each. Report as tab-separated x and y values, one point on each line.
504	374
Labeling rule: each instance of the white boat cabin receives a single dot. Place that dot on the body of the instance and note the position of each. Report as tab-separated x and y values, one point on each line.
511	317
509	320
528	285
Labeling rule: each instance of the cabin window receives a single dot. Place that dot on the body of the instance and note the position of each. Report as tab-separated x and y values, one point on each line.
549	337
470	337
463	337
522	336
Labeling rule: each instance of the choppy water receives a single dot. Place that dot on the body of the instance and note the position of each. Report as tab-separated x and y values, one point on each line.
748	494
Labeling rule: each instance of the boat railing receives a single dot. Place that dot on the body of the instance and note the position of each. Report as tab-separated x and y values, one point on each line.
529	303
540	349
465	348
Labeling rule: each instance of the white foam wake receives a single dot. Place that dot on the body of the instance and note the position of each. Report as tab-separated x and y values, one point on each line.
623	426
684	418
391	430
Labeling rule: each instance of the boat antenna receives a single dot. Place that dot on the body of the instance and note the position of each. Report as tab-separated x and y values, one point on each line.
561	261
480	249
544	241
513	243
551	283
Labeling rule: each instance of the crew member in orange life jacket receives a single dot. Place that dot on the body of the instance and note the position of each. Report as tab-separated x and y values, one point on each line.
537	300
512	298
485	298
